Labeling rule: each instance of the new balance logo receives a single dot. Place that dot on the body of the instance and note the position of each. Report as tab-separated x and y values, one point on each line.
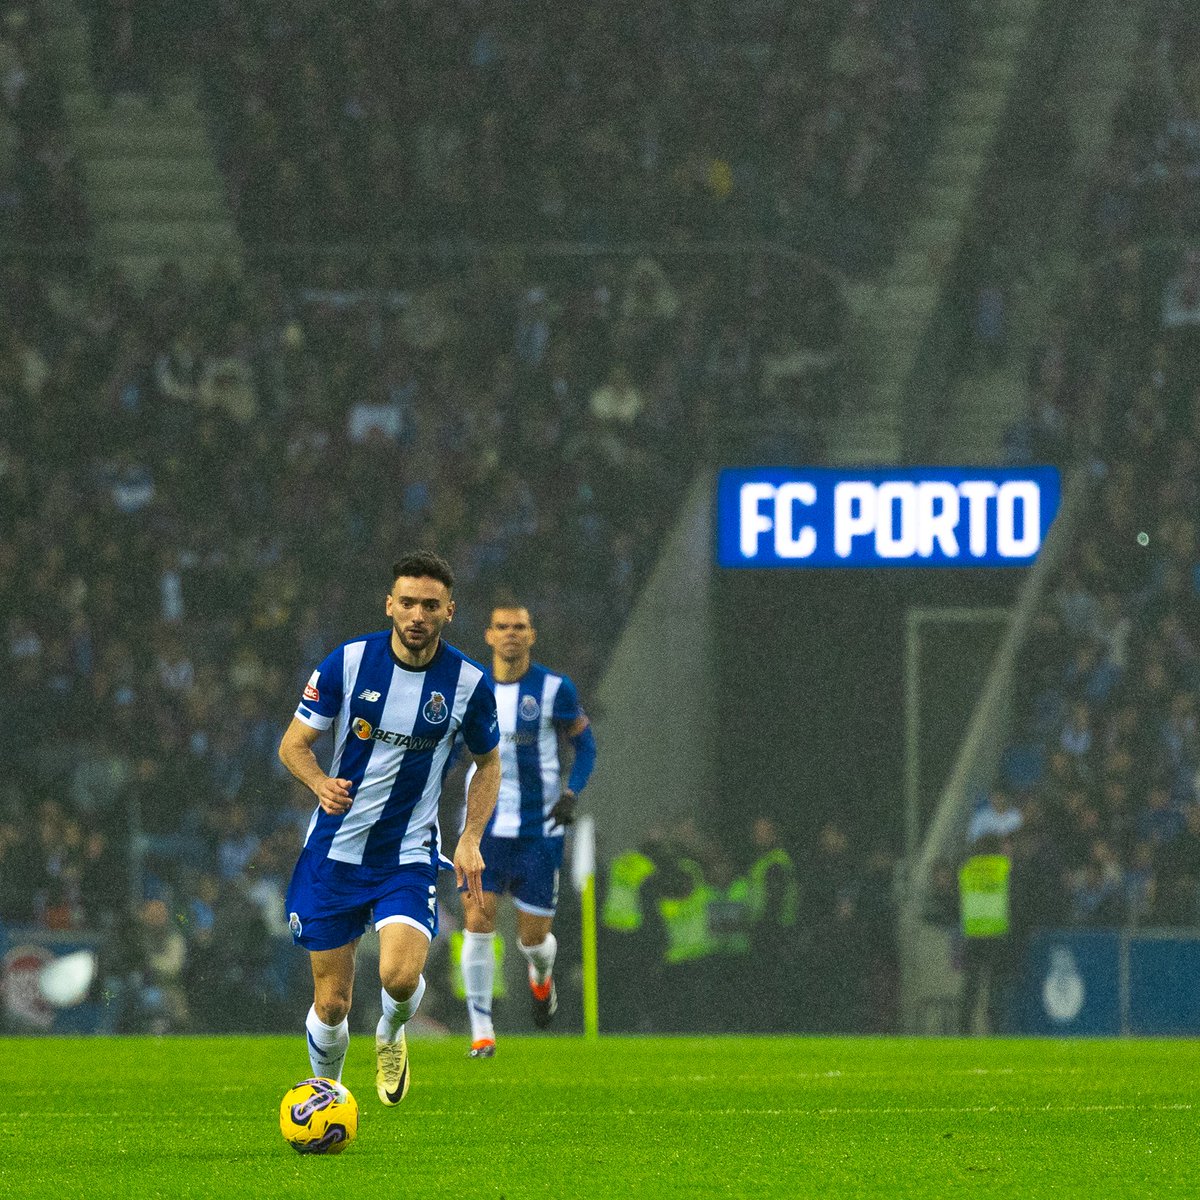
369	696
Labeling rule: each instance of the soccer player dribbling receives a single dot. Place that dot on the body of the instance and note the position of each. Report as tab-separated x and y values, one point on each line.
397	702
523	844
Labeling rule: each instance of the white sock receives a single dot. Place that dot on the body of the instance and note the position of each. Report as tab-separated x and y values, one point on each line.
327	1045
541	958
397	1012
479	971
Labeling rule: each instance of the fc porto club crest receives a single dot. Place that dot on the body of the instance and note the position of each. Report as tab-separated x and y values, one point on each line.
294	924
529	708
435	710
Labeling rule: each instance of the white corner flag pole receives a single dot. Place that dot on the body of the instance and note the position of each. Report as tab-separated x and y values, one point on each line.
583	876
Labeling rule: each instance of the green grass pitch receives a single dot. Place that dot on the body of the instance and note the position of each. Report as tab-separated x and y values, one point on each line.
768	1118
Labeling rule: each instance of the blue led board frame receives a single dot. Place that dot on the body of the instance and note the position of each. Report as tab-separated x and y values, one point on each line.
884	516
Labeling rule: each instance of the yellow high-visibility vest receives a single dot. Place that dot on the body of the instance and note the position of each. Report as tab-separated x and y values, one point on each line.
623	901
983	894
757	881
686	919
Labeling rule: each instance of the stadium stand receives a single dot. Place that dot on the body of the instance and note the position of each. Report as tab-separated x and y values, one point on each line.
625	123
1104	762
40	197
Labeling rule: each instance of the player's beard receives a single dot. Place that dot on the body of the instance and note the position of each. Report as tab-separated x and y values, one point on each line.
416	641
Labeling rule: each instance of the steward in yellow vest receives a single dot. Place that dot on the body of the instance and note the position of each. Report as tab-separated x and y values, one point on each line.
623	901
987	955
983	895
770	996
686	918
632	938
773	872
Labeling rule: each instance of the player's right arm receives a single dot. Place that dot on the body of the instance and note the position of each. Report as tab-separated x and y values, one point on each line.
296	753
481	736
481	800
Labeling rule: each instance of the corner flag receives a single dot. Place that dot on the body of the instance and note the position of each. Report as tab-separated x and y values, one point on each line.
583	877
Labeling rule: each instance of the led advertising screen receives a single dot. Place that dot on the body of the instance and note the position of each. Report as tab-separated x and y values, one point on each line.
884	516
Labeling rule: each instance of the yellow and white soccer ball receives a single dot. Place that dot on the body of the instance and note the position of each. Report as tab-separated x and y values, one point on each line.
319	1116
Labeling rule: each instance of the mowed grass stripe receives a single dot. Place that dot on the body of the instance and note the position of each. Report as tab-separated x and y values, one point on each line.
555	1117
159	1115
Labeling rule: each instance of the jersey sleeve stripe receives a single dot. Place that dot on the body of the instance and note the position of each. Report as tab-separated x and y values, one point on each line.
312	719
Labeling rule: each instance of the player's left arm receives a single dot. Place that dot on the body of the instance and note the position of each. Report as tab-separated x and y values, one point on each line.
574	726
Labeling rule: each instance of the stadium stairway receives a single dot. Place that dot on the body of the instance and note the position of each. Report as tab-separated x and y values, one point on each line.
151	180
892	312
986	403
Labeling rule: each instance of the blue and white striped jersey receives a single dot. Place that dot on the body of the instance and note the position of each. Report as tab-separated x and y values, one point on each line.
394	727
531	712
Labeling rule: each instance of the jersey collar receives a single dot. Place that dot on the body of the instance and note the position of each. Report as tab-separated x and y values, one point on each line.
408	666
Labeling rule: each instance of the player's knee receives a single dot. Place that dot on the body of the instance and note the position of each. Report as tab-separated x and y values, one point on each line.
531	930
332	1008
480	916
400	981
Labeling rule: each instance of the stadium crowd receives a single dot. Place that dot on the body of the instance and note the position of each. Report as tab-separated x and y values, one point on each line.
40	196
618	123
1098	800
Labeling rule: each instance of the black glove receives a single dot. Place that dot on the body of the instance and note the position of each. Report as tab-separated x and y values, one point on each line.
563	813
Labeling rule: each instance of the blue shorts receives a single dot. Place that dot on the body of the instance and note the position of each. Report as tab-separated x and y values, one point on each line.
330	903
526	867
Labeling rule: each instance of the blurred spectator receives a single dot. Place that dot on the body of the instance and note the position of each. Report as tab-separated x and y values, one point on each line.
617	401
997	816
145	967
238	844
1097	895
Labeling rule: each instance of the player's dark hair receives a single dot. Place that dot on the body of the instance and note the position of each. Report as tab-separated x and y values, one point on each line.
423	564
507	598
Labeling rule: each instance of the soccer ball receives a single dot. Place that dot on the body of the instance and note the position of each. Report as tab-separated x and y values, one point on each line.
318	1116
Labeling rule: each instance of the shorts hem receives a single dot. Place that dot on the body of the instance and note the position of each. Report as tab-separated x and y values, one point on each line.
401	919
307	943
